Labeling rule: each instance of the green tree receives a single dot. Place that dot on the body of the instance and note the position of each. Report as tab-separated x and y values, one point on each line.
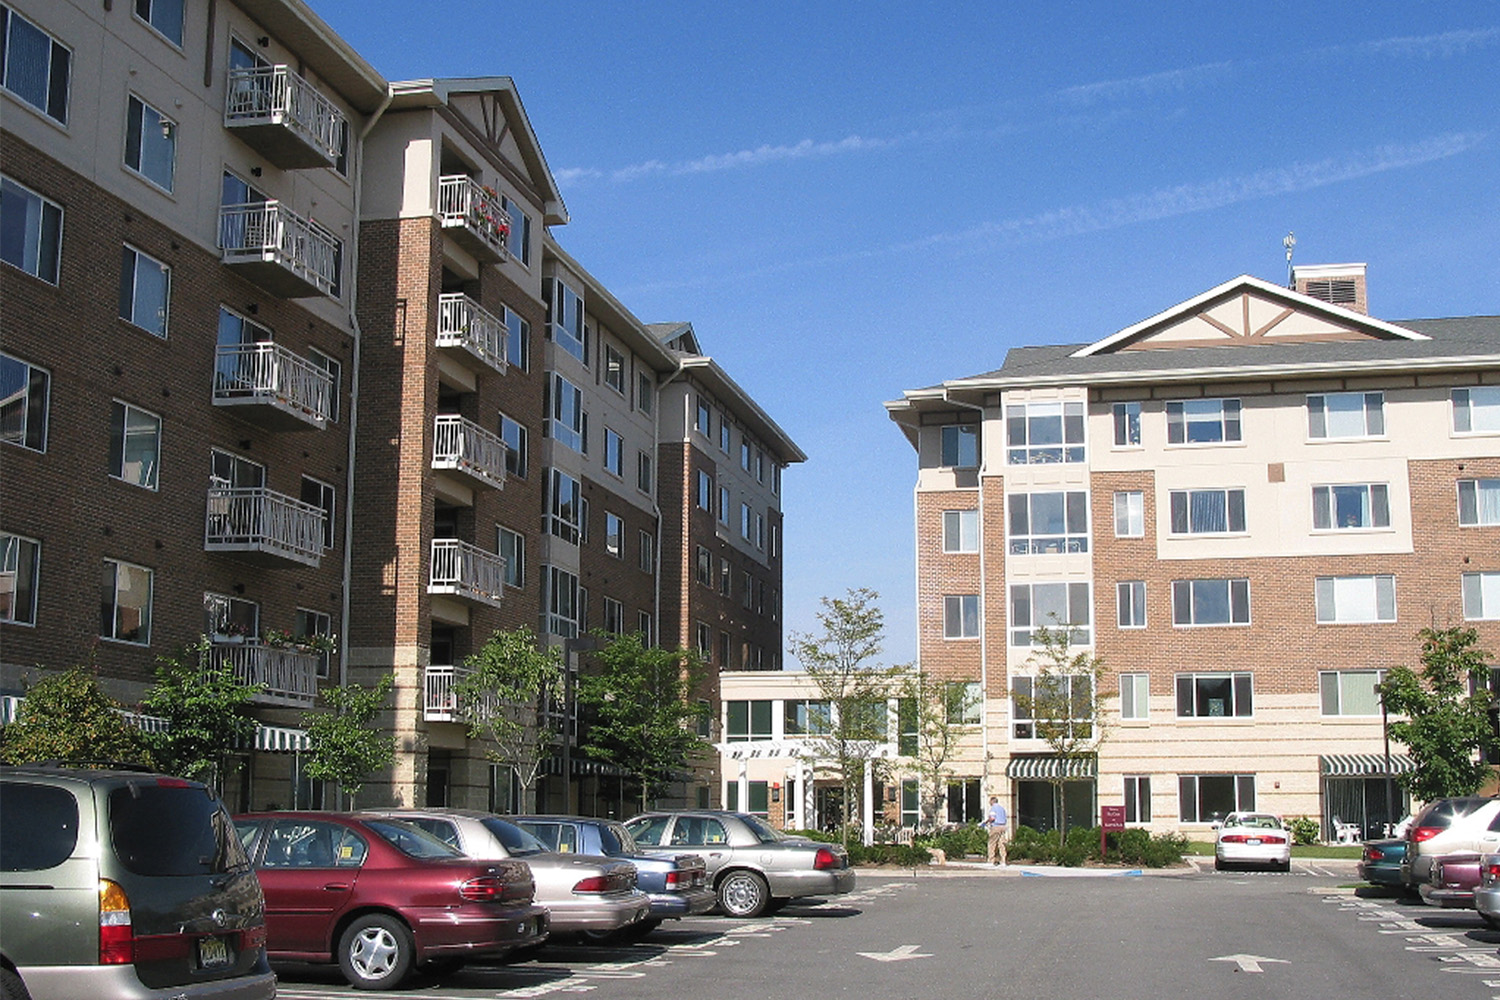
503	699
1447	703
838	660
934	718
644	718
206	706
68	717
342	745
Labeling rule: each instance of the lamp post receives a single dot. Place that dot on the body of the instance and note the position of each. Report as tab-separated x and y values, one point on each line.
1385	732
571	648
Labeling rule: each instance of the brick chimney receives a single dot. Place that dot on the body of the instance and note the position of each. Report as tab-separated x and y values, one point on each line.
1340	284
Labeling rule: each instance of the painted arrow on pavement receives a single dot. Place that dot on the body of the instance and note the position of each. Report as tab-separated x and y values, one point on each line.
900	954
1248	963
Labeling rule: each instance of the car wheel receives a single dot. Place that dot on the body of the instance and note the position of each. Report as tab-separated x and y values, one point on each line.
1491	921
11	987
375	952
744	894
441	967
1284	866
1219	864
640	930
777	904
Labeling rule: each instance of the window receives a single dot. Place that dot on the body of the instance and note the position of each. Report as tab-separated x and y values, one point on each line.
747	590
1204	798
705	493
1210	602
519	241
724	505
960	531
1130	514
1481	596
1207	512
1351	507
703	640
703	418
34	66
321	495
726	579
643	626
30	230
1137	798
565	319
614	453
704	567
514	436
1049	605
1127	419
776	478
1203	421
724	651
145	288
125	602
911	802
745	528
1044	433
803	717
1130	603
1214	696
560	596
648	553
1042	523
163	15
1478	502
1058	705
1135	701
512	548
645	393
566	421
760	532
20	561
747	720
614	617
567	495
134	445
1350	692
315	623
517	340
961	446
1477	410
230	471
908	727
614	369
775	549
614	535
1345	415
760	466
745	453
1355	599
963	703
150	143
226	617
961	616
584	519
644	472
23	403
724	435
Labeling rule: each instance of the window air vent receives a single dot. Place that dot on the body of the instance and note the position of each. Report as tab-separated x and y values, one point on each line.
1339	291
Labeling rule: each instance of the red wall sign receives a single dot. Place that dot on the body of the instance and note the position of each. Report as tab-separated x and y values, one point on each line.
1112	817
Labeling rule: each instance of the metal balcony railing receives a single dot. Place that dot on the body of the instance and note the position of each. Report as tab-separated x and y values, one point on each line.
468	326
439	693
461	444
284	117
288	676
264	522
279	249
466	571
267	374
472	213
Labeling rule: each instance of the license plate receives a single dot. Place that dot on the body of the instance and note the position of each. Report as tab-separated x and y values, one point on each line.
1253	841
213	952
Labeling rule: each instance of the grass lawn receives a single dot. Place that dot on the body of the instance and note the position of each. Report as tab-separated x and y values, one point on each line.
1352	852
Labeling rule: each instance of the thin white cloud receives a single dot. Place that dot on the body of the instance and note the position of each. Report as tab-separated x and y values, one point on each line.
1148	85
1440	46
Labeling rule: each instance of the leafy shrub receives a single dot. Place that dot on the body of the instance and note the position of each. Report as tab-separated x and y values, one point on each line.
1304	830
960	841
1165	850
1027	844
889	854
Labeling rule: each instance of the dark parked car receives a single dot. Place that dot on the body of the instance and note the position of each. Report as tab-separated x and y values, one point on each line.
1452	881
677	885
1380	863
380	897
125	885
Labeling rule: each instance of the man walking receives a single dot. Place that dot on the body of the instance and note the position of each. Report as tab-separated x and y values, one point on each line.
994	821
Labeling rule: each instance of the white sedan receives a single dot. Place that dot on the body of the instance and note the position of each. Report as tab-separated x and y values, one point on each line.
1247	838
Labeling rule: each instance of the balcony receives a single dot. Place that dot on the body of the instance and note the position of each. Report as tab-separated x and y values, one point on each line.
439	693
461	445
273	386
283	117
270	527
472	215
287	676
467	572
279	250
472	333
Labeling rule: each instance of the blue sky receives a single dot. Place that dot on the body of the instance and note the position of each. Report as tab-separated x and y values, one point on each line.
852	199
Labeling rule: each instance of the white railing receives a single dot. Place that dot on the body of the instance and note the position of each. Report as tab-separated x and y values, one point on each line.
439	694
261	231
466	571
276	95
287	676
270	372
260	520
464	323
466	203
460	443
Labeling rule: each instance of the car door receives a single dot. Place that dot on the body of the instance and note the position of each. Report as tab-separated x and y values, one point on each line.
703	835
307	870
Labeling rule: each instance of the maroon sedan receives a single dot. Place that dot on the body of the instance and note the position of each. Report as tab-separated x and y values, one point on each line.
1451	881
380	897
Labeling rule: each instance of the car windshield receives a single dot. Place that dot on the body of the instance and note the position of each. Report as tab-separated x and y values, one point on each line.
762	830
412	841
172	828
615	839
516	841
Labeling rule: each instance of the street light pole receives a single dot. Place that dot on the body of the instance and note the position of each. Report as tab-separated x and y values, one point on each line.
571	648
1385	732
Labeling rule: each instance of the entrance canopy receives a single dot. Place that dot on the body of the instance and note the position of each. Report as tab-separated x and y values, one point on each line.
1356	765
1049	768
794	749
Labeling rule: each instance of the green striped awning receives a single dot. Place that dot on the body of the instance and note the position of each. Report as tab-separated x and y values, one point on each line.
1052	768
1354	765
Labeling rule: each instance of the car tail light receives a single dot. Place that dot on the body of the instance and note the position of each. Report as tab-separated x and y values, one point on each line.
252	938
594	883
174	783
825	859
1272	839
116	935
1373	854
674	880
483	889
1421	833
1232	838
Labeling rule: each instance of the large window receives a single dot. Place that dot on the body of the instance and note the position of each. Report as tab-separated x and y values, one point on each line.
318	624
1345	415
963	703
1135	701
803	717
614	369
614	535
1042	523
1130	514
1044	433
1476	410
566	422
1203	421
1355	599
1127	420
150	143
562	601
1054	606
1478	502
614	453
1350	692
335	380
30	230
226	617
1352	506
514	436
960	531
614	617
134	445
20	561
34	66
1137	798
961	446
703	418
145	288
23	403
1130	603
647	552
747	720
1205	798
1061	705
519	240
645	472
565	320
125	602
1210	602
163	15
645	392
705	491
566	521
703	567
517	340
1215	696
961	616
1207	512
322	496
1481	596
512	548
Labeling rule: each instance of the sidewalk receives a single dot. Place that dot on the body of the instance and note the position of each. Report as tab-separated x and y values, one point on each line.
1192	865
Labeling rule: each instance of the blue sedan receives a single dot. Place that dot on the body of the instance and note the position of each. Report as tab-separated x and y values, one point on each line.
1381	862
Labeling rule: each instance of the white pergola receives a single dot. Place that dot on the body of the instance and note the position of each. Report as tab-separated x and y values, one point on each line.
803	757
